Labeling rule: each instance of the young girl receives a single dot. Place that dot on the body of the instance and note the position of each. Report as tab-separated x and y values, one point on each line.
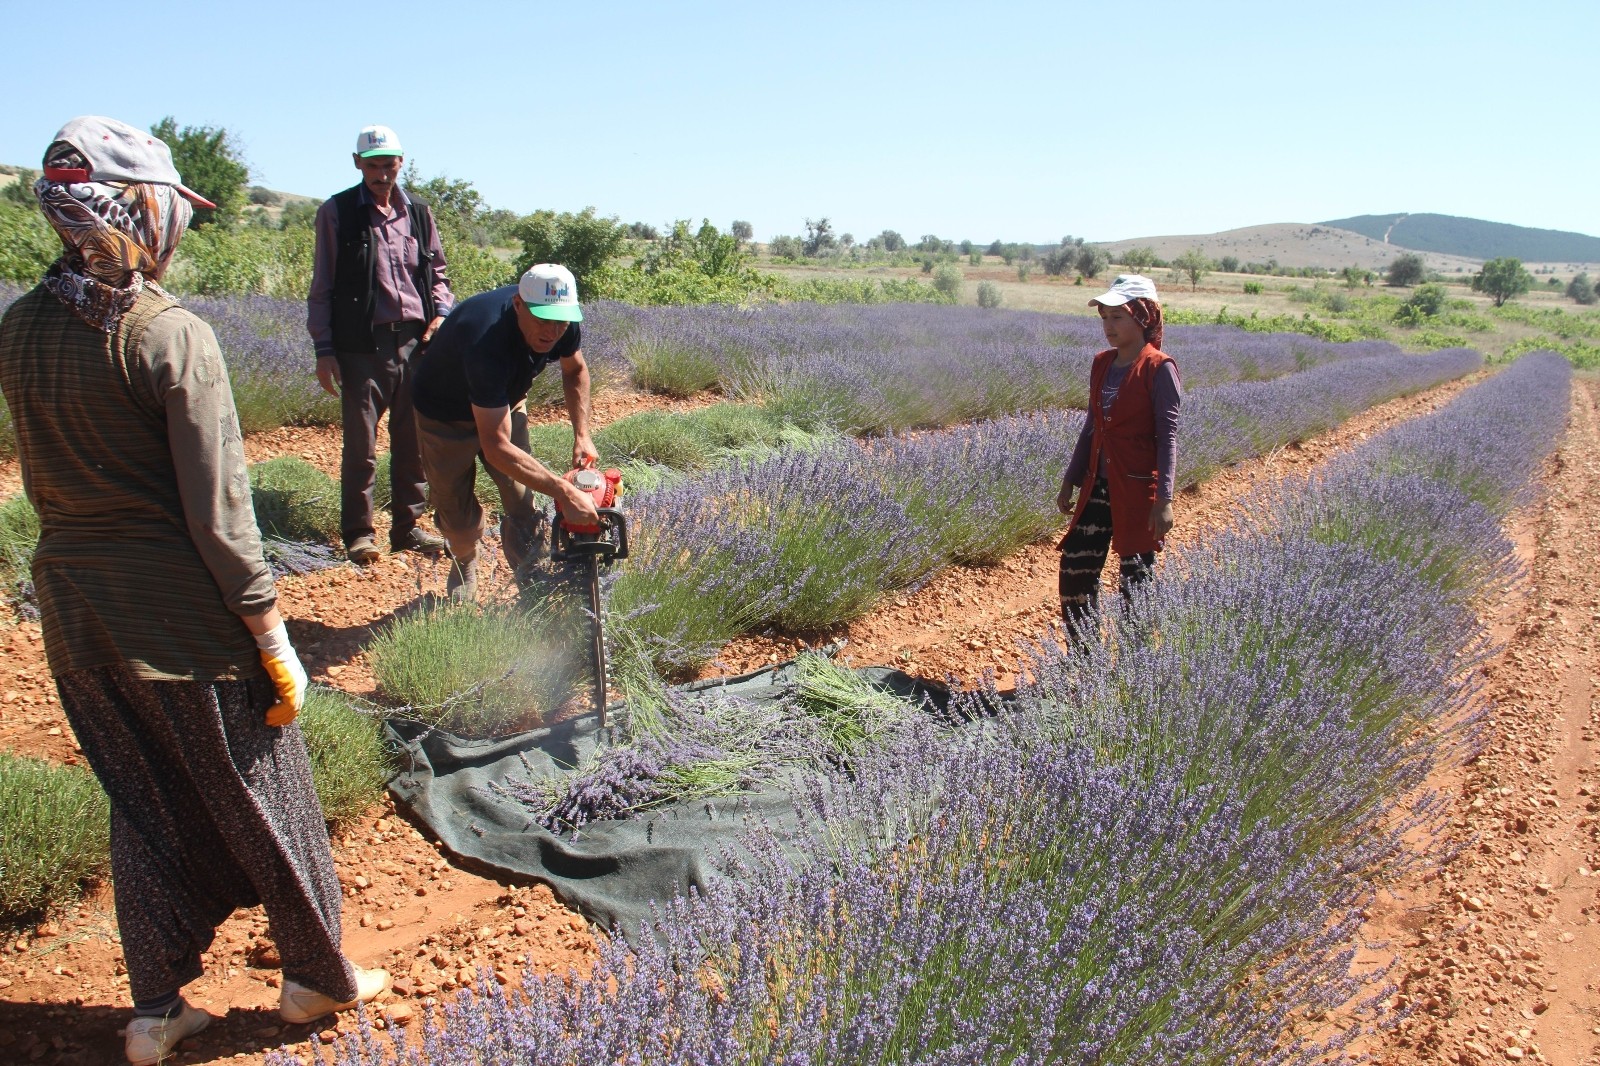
1122	468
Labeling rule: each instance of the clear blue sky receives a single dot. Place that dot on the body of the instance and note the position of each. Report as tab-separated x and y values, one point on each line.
1023	121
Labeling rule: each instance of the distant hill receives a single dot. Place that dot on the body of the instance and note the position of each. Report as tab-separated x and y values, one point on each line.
1473	238
1292	244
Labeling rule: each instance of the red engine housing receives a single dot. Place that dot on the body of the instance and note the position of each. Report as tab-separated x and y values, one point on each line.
601	485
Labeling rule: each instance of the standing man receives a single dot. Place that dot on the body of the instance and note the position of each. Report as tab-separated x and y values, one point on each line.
471	402
378	293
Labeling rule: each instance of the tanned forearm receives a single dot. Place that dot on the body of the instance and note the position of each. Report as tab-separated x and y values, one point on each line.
575	384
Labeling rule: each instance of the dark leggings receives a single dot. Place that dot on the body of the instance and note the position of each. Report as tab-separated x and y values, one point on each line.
1083	556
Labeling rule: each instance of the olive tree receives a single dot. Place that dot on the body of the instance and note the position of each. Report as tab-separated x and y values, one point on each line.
1502	279
1406	270
1193	265
208	161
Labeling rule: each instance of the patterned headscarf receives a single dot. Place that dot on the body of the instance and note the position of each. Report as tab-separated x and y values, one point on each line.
118	238
1147	313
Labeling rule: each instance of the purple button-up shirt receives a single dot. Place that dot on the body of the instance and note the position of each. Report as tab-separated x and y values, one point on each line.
395	251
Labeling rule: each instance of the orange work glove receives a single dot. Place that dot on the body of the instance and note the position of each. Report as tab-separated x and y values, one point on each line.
288	676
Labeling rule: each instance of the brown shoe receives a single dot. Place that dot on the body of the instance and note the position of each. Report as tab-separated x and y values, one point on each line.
462	584
363	551
419	540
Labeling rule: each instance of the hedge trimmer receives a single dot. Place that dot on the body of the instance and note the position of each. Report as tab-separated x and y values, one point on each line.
589	549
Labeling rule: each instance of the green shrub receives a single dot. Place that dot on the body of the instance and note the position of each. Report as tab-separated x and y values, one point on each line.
859	291
1580	290
55	834
584	243
482	671
19	535
27	243
1426	302
947	281
988	294
295	501
1254	288
349	762
216	261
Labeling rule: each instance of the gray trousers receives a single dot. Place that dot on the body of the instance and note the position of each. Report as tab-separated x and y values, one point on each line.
211	809
450	454
370	384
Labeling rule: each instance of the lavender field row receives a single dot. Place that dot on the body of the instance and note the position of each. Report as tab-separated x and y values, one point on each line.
1158	852
805	540
880	369
861	370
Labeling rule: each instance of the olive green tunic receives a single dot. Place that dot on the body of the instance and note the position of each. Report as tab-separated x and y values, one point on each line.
132	456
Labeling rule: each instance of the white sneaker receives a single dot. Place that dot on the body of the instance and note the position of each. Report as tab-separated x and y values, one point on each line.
299	1004
152	1040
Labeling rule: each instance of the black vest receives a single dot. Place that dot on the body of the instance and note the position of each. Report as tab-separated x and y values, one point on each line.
354	270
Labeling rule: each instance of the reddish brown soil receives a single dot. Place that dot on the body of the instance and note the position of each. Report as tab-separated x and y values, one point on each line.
62	997
1496	950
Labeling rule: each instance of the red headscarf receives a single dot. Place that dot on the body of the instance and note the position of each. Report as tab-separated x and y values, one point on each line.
1147	313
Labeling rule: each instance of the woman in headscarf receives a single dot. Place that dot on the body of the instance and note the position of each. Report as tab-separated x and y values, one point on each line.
1123	466
159	613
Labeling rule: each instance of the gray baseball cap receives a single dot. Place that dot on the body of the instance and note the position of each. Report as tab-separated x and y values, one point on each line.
116	151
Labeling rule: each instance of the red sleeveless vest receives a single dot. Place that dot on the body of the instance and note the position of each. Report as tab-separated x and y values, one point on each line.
1128	438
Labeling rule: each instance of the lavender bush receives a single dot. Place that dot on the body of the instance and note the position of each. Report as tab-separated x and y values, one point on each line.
270	361
1156	854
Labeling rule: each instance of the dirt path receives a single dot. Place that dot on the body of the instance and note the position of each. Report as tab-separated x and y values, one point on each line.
1497	950
62	996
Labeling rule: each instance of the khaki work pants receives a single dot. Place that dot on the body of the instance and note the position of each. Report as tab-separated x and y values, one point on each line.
450	454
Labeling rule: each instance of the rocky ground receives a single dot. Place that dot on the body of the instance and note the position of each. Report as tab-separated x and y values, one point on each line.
1490	947
1495	952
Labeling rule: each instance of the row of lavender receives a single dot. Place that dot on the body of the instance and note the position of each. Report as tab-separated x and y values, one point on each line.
864	370
883	368
806	540
1158	853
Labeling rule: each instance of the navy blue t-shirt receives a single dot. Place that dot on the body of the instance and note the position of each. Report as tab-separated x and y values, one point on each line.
480	359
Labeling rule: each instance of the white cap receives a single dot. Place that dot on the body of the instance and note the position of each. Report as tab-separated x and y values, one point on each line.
551	292
377	140
116	151
1126	287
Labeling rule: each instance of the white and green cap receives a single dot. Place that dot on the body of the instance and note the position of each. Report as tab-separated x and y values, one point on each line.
550	292
377	140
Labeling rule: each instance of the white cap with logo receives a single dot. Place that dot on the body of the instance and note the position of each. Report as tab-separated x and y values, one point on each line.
550	292
377	140
1126	287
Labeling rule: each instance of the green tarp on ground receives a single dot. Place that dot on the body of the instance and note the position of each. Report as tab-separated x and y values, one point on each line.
615	869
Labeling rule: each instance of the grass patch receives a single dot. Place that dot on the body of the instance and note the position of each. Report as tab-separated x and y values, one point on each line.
349	763
294	500
481	671
19	535
55	834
